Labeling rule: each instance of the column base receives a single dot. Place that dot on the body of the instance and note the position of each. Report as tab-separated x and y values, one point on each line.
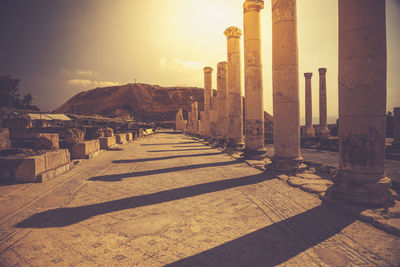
324	133
255	154
288	164
234	144
359	189
309	132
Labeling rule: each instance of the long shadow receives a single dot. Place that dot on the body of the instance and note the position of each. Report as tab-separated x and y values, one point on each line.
67	216
173	150
119	177
165	144
278	242
199	145
162	158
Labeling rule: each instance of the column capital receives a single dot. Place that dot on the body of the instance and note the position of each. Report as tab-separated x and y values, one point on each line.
322	71
222	64
308	75
207	69
233	32
253	5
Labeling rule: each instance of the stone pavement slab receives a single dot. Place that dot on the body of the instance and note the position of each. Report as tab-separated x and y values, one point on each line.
168	199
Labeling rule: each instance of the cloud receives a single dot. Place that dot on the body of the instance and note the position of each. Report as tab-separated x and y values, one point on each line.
90	83
78	72
179	64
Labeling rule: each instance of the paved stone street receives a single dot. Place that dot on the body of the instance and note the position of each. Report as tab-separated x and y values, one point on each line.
168	199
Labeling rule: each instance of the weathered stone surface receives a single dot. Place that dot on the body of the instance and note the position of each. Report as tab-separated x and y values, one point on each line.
254	107
362	105
129	137
285	80
72	136
108	132
29	168
121	138
235	123
56	158
84	149
396	127
17	123
323	130
205	121
222	98
309	130
107	142
4	139
180	123
46	141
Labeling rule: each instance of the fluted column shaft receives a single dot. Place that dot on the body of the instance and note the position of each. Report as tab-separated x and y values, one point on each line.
323	122
309	130
222	98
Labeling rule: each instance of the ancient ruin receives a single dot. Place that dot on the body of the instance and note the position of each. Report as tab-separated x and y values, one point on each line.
223	105
309	129
285	78
323	131
254	119
235	108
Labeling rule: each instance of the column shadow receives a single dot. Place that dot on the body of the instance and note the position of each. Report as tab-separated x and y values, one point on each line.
281	241
67	216
174	150
119	177
163	158
166	144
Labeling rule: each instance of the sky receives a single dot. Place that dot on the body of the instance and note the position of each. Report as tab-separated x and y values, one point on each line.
58	48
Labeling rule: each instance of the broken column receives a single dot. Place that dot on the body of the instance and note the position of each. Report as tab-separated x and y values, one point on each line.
222	86
309	129
285	79
362	105
396	127
323	124
254	107
235	123
207	101
180	123
189	123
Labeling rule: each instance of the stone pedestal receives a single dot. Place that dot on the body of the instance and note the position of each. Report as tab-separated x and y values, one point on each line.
323	124
254	113
362	105
222	98
285	79
309	130
207	101
396	127
235	122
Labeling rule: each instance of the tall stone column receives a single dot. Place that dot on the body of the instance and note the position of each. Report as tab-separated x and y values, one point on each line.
309	130
207	100
323	124
254	107
362	105
235	124
189	123
195	118
222	88
213	118
396	127
285	80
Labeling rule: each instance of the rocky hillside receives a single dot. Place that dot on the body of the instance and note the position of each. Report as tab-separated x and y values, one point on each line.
143	102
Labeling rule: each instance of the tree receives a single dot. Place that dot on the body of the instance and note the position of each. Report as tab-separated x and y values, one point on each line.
8	91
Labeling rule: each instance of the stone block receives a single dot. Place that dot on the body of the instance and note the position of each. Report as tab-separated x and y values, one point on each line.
107	142
84	149
4	138
108	132
47	141
121	138
129	137
29	168
56	158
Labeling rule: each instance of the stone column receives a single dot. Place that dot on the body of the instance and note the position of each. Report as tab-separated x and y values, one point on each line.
213	118
396	127
180	123
189	123
285	80
309	130
235	124
222	86
195	118
207	100
362	105
323	125
254	107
